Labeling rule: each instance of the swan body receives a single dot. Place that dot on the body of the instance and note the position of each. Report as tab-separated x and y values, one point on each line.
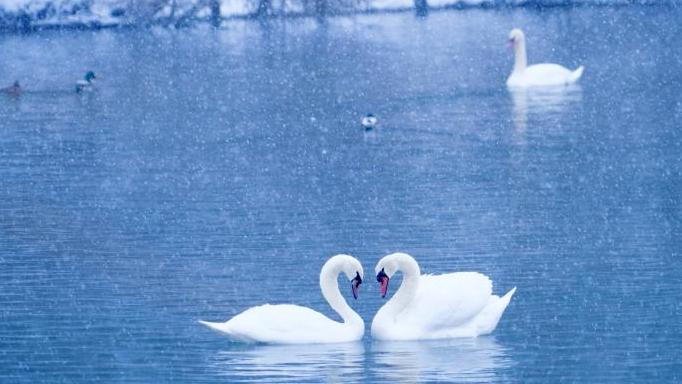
435	306
293	324
537	75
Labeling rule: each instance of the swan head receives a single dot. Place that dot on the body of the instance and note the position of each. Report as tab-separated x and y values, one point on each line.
355	284
354	273
388	266
515	37
382	278
350	267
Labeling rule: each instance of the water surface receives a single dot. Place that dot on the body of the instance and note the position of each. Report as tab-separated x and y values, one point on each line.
212	171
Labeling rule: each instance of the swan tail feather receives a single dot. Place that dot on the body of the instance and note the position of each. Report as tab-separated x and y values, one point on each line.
488	318
575	75
227	330
220	327
509	294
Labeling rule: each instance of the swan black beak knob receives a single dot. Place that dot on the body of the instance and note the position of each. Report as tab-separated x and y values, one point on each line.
355	284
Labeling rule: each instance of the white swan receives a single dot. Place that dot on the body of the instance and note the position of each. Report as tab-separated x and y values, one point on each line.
293	324
435	306
537	75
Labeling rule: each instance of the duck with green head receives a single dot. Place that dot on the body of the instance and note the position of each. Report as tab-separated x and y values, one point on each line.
14	89
88	83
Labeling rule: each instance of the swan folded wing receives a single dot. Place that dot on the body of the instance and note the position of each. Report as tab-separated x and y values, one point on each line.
447	301
283	323
547	74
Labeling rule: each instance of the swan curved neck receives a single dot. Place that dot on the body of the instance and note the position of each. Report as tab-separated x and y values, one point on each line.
408	289
520	61
330	291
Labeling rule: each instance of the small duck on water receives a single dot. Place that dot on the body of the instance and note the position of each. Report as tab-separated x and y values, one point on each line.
369	121
14	89
87	84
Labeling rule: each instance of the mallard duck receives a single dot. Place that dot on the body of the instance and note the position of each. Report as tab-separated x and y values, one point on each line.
14	89
82	85
369	121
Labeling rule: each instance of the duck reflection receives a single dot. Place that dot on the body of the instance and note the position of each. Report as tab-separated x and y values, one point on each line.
544	103
455	360
329	363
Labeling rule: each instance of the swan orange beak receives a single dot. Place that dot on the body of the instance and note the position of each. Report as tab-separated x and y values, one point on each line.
382	278
355	285
511	43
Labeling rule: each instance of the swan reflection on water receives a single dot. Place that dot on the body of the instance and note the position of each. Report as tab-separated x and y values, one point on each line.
544	103
329	363
454	360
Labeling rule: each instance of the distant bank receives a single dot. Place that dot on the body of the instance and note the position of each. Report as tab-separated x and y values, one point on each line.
30	15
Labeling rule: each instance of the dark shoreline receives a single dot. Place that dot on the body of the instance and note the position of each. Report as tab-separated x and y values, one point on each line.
26	27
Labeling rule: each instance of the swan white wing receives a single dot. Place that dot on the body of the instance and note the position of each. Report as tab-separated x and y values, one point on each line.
446	301
282	324
547	71
545	74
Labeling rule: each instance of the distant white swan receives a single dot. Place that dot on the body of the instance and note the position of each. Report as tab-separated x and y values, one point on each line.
435	306
537	75
293	324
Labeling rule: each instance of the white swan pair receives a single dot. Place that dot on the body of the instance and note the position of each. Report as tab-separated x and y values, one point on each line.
424	307
538	75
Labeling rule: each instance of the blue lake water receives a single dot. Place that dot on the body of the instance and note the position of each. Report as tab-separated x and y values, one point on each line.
212	171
